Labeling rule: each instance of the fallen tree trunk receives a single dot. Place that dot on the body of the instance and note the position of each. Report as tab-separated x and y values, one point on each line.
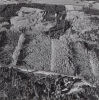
18	48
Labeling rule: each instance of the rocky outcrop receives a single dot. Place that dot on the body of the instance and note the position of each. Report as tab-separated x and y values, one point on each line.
27	17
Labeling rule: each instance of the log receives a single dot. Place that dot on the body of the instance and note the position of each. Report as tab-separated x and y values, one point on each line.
18	48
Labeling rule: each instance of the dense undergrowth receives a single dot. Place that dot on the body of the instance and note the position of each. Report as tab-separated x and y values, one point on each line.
18	85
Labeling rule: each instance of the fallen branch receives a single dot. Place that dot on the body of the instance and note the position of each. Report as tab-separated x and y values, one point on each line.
18	48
